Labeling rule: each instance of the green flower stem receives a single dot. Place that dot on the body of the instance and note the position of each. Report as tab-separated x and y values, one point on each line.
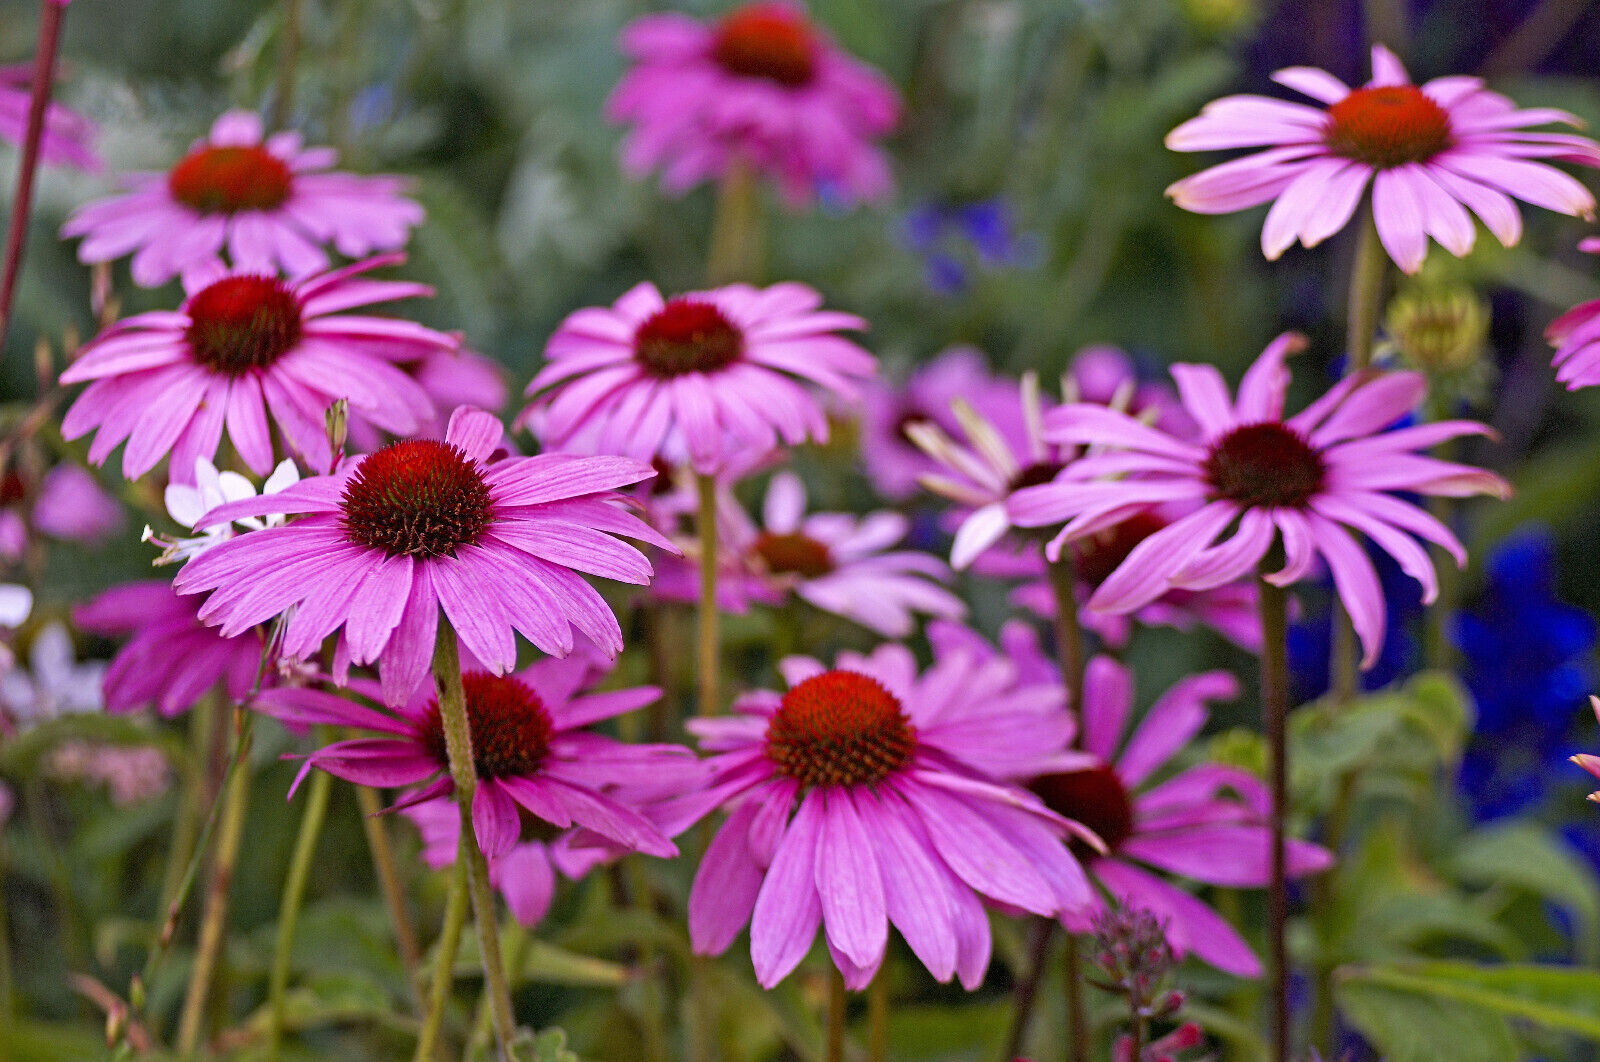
709	664
1275	713
389	883
837	1001
1041	931
294	891
516	958
1361	324
463	773
878	1016
202	721
736	229
288	62
1077	1018
444	963
213	924
1069	649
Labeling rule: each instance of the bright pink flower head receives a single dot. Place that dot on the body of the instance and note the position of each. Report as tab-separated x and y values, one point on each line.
894	463
73	507
863	797
1576	337
68	136
173	659
245	345
1306	481
1208	823
266	200
531	751
703	377
763	87
392	537
1430	152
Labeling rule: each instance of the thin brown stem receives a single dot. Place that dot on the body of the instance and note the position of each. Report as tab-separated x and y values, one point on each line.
51	13
878	1017
1077	1018
1041	931
392	888
1275	713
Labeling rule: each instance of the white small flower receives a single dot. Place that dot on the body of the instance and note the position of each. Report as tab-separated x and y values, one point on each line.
187	504
55	683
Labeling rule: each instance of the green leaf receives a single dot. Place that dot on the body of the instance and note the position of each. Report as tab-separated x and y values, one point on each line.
1406	1026
1562	998
1529	857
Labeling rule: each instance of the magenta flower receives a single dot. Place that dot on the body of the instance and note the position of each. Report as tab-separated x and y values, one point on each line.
894	464
268	201
392	537
1431	153
1576	337
862	797
73	507
700	377
1207	823
68	138
764	87
1306	481
243	346
530	746
173	659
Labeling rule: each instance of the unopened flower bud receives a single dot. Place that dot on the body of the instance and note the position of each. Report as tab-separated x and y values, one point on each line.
1442	331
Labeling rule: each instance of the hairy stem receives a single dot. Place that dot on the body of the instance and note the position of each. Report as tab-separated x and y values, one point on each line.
294	891
1275	712
444	963
51	13
709	664
463	773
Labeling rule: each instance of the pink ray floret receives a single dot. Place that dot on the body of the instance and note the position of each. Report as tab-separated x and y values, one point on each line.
249	352
389	539
532	752
1430	153
864	797
1253	479
1207	823
68	138
1576	337
172	658
270	202
764	88
703	377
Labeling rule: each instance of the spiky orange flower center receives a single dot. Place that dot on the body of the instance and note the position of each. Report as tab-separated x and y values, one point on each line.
418	498
840	728
242	323
1267	464
794	554
1388	126
1100	554
687	335
226	180
1095	797
768	41
510	726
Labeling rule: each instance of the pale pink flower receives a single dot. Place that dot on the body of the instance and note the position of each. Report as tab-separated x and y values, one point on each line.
1430	153
267	199
72	506
1255	478
244	346
763	87
68	138
702	377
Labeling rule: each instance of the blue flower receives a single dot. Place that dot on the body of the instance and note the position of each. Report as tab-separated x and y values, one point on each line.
954	238
1311	638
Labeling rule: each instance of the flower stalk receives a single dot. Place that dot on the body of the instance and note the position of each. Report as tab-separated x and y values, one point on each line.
838	1000
393	889
51	14
463	773
736	237
1274	603
1069	650
444	962
708	643
294	890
